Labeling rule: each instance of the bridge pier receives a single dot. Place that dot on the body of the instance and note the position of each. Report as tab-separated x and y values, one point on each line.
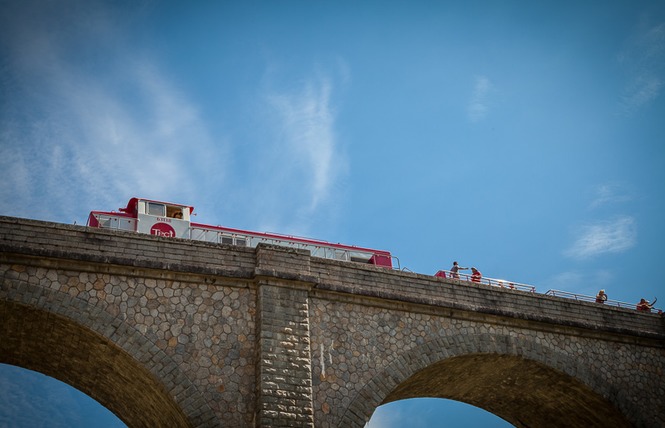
284	372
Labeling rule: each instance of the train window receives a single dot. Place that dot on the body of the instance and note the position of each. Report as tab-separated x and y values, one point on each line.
227	239
174	212
241	242
156	209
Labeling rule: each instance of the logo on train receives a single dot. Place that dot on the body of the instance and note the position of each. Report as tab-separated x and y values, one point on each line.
162	229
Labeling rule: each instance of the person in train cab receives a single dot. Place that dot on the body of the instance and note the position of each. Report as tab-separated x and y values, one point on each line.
455	269
178	215
644	305
601	297
475	275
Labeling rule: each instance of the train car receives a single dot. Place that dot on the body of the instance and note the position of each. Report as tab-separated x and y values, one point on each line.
174	221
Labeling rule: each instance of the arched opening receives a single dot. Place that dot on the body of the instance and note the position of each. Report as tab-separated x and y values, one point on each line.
523	392
58	347
33	399
433	412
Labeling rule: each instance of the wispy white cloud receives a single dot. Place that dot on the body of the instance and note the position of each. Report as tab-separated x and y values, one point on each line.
644	59
307	125
78	133
478	104
606	194
301	166
613	236
92	136
641	90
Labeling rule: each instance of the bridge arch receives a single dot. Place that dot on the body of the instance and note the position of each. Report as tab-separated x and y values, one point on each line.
515	378
99	354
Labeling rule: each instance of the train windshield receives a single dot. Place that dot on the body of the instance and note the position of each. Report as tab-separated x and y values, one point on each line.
156	209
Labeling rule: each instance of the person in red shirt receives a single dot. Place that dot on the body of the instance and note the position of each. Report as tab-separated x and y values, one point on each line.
645	306
475	275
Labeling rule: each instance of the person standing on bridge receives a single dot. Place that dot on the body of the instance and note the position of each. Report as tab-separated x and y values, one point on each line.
475	275
601	297
455	269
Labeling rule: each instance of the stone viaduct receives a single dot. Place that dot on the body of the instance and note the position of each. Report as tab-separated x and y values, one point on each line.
176	333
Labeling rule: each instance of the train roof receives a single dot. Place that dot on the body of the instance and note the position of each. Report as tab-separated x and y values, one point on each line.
131	205
292	238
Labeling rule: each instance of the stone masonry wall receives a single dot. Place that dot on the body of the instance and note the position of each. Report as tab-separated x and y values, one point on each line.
273	337
362	352
360	332
206	331
492	302
175	293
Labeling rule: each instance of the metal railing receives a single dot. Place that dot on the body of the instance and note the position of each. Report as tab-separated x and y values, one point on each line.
115	222
493	282
468	279
587	298
249	240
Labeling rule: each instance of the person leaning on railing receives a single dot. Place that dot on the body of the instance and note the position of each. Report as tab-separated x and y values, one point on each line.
455	269
601	297
645	306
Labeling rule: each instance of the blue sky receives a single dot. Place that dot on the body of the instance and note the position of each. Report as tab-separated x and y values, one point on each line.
524	138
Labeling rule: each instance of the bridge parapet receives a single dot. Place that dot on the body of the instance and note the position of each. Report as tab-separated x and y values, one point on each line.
54	240
480	301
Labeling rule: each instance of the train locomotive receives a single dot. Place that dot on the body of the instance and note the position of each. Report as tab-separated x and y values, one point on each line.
174	221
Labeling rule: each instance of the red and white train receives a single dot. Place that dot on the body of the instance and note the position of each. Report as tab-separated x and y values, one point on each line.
174	221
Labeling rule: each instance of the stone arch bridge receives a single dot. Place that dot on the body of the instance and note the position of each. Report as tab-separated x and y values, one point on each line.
176	333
